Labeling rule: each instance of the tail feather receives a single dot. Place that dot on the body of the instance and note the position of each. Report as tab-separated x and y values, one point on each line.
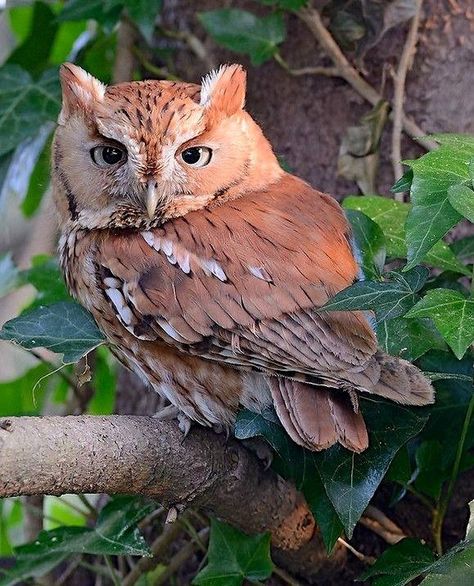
402	382
316	417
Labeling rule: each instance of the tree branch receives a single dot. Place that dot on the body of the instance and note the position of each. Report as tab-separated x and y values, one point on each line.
312	19
406	61
144	456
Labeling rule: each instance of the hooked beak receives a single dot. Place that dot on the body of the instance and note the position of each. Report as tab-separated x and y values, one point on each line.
152	197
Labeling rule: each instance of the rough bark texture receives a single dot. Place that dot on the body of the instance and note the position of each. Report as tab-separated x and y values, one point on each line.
141	455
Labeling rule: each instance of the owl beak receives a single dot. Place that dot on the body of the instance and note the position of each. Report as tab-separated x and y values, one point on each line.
152	197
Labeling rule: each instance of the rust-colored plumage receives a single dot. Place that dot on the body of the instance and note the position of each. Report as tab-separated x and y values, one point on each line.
205	264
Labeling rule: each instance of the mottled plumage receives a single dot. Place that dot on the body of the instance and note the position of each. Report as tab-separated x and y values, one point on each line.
205	264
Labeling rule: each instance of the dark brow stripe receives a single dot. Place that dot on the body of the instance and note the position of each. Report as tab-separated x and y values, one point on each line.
71	198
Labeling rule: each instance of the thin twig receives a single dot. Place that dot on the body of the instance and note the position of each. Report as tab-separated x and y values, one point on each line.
406	61
359	555
112	573
440	511
379	523
158	548
312	19
178	559
283	574
194	43
321	70
159	72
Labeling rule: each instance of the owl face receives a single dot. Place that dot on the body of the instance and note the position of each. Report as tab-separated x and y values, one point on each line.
137	154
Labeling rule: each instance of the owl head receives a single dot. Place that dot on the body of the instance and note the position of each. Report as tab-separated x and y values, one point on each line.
136	154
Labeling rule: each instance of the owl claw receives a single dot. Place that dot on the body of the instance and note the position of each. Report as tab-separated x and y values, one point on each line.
167	413
261	449
184	423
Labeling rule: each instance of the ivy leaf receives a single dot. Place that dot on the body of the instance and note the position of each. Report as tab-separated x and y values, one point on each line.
143	13
243	32
351	479
388	299
464	248
9	274
370	243
461	197
33	53
453	315
400	564
107	13
432	214
293	463
25	105
408	338
47	279
114	534
404	183
391	216
64	327
235	557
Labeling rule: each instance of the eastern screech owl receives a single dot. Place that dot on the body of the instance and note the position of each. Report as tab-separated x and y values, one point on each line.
204	263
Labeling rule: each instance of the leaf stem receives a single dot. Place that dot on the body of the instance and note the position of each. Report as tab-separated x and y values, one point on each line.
112	572
440	511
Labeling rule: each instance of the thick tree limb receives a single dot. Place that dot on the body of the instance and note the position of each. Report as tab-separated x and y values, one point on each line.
144	456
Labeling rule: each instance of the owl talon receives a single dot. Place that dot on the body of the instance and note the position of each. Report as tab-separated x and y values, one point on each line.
261	449
167	413
184	423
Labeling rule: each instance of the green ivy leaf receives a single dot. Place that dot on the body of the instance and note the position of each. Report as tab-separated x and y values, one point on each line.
39	181
404	183
293	463
114	534
17	397
370	243
25	105
432	214
408	338
400	564
143	13
391	216
464	248
243	32
286	4
105	12
388	299
9	274
235	557
453	315
461	197
33	53
351	479
64	327
46	277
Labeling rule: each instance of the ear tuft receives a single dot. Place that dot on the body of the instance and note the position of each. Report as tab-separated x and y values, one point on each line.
223	89
80	90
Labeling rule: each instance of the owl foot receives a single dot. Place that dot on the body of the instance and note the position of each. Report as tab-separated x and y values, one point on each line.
261	449
171	412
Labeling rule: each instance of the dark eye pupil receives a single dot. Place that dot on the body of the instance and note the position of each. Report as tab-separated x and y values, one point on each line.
191	156
111	155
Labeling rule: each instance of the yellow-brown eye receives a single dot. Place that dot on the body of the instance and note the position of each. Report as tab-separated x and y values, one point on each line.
197	156
106	156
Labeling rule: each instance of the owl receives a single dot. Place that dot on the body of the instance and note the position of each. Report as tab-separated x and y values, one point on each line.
205	264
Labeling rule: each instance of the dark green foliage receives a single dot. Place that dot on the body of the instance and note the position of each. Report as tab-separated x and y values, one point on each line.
244	32
235	557
115	533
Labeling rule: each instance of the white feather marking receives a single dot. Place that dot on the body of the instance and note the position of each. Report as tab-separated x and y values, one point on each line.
212	267
149	238
260	273
167	247
169	329
112	282
183	261
208	83
157	244
116	297
171	258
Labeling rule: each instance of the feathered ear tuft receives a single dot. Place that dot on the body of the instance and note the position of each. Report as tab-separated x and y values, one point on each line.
80	90
224	89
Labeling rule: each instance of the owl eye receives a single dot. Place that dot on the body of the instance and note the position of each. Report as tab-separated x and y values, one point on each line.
197	156
105	156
